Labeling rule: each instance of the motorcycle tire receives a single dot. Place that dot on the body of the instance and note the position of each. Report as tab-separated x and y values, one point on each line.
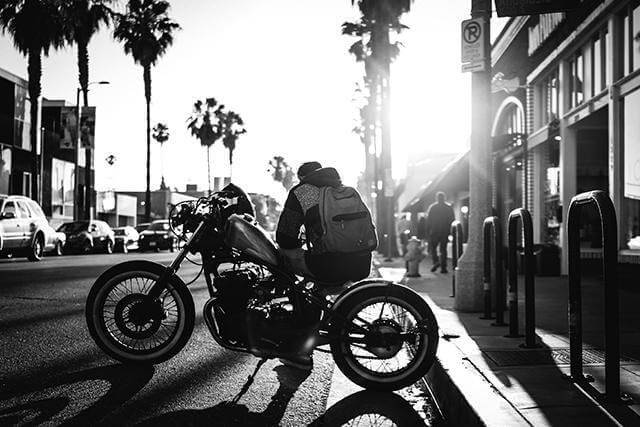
118	316
353	366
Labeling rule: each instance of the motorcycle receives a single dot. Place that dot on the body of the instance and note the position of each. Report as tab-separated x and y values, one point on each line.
382	335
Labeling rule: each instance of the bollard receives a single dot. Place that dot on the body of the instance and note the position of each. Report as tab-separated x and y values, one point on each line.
456	252
529	279
609	226
492	232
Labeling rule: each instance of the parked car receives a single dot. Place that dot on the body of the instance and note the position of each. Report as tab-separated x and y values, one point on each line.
88	236
24	229
158	236
142	226
126	239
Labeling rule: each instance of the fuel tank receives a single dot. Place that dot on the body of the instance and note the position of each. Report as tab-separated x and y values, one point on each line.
251	239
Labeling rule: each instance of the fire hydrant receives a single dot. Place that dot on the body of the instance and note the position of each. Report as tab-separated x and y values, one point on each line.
413	256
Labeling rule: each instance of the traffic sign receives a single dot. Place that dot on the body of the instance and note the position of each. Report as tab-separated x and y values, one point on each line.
473	66
472	36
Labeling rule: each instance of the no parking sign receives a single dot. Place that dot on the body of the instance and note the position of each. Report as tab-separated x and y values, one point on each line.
473	47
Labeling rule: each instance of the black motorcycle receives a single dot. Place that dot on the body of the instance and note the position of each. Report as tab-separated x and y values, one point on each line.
382	335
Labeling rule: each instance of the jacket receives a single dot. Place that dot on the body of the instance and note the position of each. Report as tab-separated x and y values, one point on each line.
439	219
302	208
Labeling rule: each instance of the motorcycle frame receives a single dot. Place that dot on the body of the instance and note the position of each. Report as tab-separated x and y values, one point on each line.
209	260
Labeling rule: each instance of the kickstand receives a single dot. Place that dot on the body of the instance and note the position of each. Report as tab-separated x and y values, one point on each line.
247	384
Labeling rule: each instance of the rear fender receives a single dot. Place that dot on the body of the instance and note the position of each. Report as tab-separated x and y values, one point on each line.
362	285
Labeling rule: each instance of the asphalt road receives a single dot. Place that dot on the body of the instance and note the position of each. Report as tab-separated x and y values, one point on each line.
52	372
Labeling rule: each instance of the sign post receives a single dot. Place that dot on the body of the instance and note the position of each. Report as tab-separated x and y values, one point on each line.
470	269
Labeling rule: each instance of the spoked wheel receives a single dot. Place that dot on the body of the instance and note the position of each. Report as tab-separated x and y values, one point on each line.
388	339
130	326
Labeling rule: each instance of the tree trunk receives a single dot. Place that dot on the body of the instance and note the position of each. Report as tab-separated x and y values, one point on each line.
83	70
387	211
209	168
147	96
34	69
83	79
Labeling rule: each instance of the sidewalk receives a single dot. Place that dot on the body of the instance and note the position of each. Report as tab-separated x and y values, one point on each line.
483	378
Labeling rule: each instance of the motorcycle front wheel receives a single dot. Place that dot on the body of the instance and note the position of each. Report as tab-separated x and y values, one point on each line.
387	337
133	328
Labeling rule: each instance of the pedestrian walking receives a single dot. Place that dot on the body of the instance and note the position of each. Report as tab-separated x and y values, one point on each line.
439	219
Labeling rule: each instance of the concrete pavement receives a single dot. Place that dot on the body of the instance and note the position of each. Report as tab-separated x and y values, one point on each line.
483	378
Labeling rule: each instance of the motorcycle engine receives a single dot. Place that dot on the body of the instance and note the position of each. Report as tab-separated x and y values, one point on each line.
255	311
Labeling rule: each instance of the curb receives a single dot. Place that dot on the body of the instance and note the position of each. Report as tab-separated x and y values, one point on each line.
463	395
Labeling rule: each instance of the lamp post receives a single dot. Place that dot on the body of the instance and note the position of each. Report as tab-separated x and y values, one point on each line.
85	210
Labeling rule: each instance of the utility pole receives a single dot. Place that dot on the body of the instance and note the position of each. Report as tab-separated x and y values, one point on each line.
469	289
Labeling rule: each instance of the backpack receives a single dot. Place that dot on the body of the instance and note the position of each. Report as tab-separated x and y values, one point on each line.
347	226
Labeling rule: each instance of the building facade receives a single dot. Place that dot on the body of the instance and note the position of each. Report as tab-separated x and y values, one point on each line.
64	187
572	123
18	159
49	178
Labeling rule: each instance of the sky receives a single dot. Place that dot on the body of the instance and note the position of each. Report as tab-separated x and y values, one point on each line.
284	67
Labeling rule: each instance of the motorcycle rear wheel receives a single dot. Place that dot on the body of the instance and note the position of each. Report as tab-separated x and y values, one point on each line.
132	328
389	310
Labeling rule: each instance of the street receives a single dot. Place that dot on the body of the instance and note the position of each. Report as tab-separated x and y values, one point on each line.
52	372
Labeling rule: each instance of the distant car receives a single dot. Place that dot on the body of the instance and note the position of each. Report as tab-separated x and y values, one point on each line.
158	236
24	229
126	239
142	226
88	236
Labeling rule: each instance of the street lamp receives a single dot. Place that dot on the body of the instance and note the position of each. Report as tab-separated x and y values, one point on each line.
78	211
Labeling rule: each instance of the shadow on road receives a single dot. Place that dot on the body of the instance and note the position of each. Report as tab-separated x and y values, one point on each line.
22	405
233	413
370	408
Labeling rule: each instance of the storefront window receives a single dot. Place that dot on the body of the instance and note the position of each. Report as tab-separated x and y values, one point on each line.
631	224
62	182
550	101
552	194
630	221
635	34
5	169
577	77
22	126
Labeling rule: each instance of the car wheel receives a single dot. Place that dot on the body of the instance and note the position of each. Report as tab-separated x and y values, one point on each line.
37	249
87	247
108	247
58	250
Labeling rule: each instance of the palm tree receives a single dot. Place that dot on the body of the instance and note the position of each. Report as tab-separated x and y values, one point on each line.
83	19
161	135
232	128
374	48
205	123
35	26
281	172
147	32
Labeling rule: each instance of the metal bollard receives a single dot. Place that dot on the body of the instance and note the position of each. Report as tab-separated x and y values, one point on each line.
492	232
608	222
529	279
456	252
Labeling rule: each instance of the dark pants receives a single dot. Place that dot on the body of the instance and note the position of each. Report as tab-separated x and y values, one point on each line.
439	243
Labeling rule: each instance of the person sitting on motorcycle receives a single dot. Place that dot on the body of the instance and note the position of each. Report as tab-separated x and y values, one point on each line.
302	209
